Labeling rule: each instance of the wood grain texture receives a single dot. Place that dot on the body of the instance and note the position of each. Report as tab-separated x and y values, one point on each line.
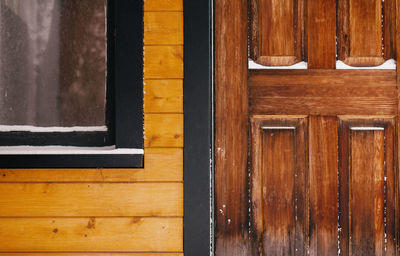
323	175
91	234
322	77
163	62
163	96
164	5
88	199
160	164
367	193
278	185
323	92
360	32
161	28
321	34
276	32
163	130
389	29
323	106
366	187
231	128
396	183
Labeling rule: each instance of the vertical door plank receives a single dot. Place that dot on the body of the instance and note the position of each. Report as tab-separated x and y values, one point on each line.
231	128
323	185
367	187
321	34
276	31
279	185
343	188
390	192
362	24
397	156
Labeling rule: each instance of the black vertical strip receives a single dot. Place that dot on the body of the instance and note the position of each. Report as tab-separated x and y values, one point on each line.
110	95
198	126
128	73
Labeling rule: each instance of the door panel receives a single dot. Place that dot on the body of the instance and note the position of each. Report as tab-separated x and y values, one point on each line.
279	193
366	186
361	33
277	31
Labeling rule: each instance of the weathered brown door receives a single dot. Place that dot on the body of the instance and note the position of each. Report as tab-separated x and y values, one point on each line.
322	145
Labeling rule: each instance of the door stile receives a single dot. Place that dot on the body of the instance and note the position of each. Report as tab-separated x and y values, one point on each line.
231	129
396	40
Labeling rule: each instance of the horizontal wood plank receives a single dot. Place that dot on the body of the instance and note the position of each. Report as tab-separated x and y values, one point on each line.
164	5
163	62
323	106
91	234
91	254
163	28
160	165
302	90
323	92
88	199
163	130
323	77
163	96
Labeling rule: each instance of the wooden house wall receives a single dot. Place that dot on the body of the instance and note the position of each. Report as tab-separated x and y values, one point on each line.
112	212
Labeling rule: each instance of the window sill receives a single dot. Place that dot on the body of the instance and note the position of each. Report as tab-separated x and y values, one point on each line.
69	157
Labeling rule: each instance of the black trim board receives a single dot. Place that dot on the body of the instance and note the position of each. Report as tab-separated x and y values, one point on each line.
128	71
71	161
198	126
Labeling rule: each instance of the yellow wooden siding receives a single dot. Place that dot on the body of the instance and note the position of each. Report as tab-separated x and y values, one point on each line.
114	212
163	61
163	5
163	130
163	96
163	28
127	199
91	234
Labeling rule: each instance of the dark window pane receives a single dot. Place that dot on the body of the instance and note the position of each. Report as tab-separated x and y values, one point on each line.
52	62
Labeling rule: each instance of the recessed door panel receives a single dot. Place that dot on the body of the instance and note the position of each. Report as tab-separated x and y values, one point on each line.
281	204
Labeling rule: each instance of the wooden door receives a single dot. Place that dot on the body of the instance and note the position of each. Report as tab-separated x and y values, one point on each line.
307	160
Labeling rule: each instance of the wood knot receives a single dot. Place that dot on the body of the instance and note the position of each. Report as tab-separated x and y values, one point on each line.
91	224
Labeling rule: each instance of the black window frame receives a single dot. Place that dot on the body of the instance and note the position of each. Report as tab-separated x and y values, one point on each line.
124	110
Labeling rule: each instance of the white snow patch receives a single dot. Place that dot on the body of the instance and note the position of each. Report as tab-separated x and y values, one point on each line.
30	128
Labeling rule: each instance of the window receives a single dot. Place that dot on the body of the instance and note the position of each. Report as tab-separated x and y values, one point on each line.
71	75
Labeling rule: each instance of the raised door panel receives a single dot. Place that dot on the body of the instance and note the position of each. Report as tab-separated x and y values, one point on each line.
279	184
276	31
365	32
366	171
